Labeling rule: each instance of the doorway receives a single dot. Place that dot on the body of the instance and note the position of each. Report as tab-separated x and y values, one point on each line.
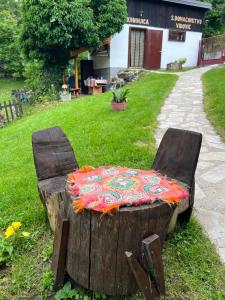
153	49
137	48
145	47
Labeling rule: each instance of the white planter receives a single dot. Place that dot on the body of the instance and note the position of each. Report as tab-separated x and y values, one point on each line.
65	97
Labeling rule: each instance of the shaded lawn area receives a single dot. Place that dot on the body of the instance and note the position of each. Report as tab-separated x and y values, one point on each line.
6	85
99	137
214	91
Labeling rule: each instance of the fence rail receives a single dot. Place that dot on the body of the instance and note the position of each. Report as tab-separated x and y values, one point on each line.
10	111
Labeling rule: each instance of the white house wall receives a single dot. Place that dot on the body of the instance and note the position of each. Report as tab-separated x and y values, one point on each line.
119	49
170	50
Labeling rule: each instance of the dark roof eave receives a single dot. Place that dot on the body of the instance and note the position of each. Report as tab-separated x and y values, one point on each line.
195	3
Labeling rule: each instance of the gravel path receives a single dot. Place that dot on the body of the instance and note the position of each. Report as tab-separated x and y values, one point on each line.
184	109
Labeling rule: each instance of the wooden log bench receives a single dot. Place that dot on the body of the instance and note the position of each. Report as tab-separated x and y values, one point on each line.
117	254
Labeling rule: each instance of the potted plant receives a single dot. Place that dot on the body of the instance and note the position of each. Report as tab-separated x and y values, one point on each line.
177	64
119	101
65	95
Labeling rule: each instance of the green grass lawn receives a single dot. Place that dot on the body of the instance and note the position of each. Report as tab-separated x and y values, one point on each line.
214	90
6	85
99	137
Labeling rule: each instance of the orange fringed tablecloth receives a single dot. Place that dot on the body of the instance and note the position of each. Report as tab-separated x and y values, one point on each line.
108	188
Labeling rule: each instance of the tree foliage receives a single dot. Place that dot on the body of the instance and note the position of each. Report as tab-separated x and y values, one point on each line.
13	6
10	57
215	19
51	29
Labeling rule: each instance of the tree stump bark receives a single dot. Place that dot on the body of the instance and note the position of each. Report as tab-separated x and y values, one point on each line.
97	244
53	196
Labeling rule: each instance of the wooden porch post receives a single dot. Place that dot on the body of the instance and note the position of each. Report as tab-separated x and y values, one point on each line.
76	76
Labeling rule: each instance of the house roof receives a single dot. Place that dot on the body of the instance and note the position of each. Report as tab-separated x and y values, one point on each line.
195	3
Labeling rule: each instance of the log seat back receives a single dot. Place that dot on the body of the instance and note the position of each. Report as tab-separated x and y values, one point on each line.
177	155
54	159
53	154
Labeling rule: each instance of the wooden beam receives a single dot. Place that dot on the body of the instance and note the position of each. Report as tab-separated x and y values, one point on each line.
74	53
76	74
11	110
152	253
143	280
6	112
60	249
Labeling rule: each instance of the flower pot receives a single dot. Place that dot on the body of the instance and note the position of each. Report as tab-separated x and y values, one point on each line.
65	97
118	106
174	66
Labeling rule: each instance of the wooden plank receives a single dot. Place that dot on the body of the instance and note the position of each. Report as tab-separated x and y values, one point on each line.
66	200
16	104
135	225
161	13
78	253
162	215
11	110
60	249
85	247
151	248
103	257
50	191
184	216
143	281
6	112
20	108
15	108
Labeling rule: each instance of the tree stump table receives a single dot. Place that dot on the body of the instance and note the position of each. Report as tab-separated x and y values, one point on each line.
97	245
117	254
116	220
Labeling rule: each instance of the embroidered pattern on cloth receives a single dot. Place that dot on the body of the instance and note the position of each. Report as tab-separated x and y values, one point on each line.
107	188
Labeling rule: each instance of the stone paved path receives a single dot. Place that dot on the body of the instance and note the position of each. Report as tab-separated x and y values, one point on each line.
184	109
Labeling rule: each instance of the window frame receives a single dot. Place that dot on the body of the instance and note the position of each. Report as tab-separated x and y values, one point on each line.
172	31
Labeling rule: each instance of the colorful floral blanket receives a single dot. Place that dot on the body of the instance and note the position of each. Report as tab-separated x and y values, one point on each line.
107	188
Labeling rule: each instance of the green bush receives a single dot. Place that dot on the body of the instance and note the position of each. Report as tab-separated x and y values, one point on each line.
11	61
182	60
45	84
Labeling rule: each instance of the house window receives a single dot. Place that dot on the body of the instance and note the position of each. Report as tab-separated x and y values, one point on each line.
177	36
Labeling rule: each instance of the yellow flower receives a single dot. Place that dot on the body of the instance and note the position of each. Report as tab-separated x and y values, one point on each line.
16	225
9	231
26	234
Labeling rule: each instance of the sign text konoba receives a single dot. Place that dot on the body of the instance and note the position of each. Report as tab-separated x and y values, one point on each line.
138	21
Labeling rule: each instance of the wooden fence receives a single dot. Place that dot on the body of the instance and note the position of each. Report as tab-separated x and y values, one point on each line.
10	111
212	50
